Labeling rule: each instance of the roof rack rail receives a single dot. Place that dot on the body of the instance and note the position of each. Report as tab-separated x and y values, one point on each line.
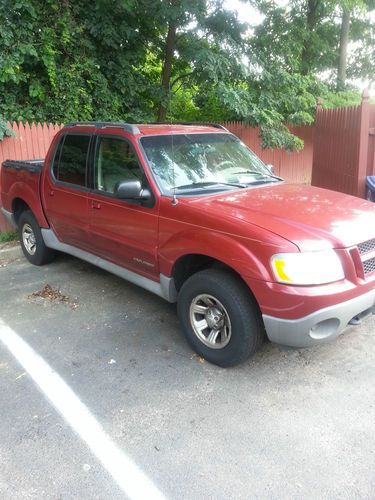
129	127
203	124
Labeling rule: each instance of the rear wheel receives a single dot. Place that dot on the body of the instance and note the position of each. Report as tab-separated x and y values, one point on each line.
220	318
32	242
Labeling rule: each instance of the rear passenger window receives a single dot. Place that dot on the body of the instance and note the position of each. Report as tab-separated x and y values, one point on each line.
70	159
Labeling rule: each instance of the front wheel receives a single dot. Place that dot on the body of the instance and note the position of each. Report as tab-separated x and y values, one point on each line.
220	317
32	242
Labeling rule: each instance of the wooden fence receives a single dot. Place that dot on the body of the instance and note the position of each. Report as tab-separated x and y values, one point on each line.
32	141
344	147
293	167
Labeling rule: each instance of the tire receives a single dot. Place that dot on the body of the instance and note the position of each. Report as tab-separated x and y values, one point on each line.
220	300
32	242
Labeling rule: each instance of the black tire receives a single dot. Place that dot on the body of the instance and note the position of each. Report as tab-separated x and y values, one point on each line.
245	323
37	253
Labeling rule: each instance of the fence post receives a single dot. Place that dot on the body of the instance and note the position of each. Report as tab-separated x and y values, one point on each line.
363	144
315	138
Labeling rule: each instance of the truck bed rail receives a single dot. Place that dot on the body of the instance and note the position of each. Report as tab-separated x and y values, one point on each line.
32	166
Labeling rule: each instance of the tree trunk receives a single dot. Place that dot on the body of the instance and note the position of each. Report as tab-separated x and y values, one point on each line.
167	70
343	50
311	22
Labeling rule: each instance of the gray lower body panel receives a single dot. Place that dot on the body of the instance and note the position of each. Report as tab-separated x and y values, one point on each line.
9	217
165	288
321	326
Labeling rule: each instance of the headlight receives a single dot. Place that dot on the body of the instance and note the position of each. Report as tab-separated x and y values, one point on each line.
307	268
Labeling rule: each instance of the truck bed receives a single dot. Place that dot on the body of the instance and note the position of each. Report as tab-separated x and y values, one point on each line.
32	166
20	179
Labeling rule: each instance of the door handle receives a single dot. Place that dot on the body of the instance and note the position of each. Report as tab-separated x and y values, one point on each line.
95	205
51	192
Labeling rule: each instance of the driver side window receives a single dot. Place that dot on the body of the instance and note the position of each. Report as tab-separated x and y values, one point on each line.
115	161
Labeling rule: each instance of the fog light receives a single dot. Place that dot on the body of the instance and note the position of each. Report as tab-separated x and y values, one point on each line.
325	329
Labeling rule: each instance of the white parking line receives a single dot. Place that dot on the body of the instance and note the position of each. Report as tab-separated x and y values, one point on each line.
129	477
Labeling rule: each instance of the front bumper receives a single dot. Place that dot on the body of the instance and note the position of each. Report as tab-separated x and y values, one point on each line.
321	326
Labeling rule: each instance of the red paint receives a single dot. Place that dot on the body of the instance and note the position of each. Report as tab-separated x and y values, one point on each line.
242	229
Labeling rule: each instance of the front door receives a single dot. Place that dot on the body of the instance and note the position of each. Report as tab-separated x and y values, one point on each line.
123	232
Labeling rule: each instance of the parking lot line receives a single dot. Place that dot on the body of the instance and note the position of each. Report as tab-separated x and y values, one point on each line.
129	477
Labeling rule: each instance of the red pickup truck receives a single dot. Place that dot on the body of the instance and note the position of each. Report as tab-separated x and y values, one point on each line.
190	213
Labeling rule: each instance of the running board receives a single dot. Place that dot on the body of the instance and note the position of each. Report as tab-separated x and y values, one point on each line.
165	288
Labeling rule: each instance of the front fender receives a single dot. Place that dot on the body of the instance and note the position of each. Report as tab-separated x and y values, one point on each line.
240	254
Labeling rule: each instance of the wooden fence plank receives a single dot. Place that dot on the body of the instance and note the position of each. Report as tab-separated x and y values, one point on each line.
342	149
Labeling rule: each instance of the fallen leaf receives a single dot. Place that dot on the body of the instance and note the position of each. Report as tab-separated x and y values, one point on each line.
53	295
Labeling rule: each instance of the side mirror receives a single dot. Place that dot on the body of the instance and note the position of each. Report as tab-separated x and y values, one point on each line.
131	190
271	168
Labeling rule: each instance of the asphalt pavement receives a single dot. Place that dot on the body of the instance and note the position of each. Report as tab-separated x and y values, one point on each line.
286	424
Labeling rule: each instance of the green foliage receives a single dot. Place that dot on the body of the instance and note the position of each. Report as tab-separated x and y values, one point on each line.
81	60
340	99
300	36
70	60
278	136
7	236
5	131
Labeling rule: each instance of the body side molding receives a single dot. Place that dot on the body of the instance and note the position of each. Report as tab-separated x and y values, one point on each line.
165	288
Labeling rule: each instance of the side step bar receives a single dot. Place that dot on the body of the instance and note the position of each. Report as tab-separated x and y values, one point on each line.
165	288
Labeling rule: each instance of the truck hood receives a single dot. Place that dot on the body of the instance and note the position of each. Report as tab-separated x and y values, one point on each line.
312	218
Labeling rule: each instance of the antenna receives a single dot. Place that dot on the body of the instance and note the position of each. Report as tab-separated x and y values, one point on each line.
174	198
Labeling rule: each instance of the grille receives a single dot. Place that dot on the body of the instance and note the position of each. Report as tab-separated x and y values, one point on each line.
366	246
369	266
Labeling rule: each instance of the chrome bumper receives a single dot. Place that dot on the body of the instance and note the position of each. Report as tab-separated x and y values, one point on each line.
321	326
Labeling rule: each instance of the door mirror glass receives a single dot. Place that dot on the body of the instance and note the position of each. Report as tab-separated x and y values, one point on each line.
271	168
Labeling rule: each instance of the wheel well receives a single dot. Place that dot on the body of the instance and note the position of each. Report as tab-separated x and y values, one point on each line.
18	207
190	264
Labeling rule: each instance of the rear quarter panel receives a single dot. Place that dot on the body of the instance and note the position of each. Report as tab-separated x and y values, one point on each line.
24	185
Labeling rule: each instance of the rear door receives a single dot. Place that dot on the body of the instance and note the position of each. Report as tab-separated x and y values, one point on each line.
123	232
65	189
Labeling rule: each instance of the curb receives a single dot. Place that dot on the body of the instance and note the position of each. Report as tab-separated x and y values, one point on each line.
13	252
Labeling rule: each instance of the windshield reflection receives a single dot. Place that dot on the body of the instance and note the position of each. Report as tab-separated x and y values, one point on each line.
201	162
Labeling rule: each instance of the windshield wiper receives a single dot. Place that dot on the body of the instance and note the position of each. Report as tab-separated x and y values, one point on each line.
194	185
256	172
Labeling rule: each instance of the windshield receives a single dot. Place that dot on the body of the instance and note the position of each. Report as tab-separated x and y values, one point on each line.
200	162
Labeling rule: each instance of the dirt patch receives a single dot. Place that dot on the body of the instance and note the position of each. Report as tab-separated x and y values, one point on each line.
6	262
52	295
9	244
